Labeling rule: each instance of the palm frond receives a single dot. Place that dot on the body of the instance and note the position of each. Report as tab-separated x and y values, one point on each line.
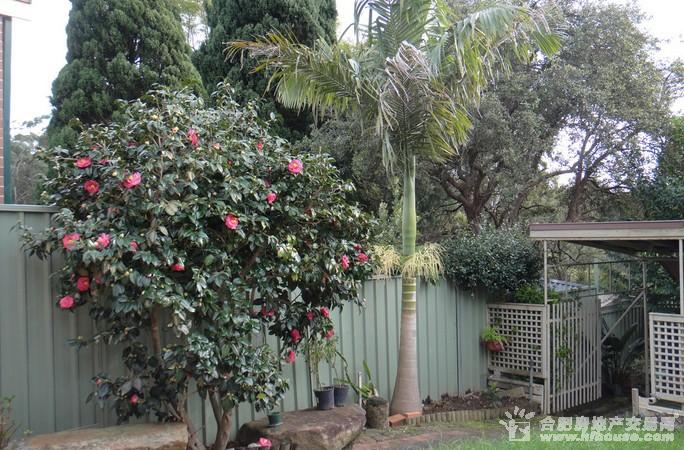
324	77
416	114
474	47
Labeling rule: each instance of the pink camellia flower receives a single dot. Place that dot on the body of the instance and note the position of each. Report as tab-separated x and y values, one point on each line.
102	241
66	302
267	312
325	312
132	180
91	187
294	334
134	399
177	267
83	163
329	334
231	222
133	246
83	284
192	136
259	146
98	279
290	358
344	262
271	197
362	257
357	247
263	442
310	315
295	166
69	240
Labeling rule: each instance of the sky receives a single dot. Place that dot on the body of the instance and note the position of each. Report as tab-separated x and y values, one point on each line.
39	48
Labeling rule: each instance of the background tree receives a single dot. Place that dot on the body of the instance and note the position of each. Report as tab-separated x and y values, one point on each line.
117	49
193	16
306	20
619	103
27	169
514	132
418	71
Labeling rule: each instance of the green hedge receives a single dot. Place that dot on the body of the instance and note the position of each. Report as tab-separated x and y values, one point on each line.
500	260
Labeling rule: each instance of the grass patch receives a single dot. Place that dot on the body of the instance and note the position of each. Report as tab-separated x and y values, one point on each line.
536	442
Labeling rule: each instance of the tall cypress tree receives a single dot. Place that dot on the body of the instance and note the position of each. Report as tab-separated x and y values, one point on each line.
230	20
117	49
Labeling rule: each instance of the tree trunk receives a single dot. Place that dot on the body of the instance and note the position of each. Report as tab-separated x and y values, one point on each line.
223	431
406	397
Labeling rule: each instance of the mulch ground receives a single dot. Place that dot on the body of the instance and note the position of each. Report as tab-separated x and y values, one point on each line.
475	400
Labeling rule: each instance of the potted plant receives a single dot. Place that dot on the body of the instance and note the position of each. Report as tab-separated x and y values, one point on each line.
493	340
376	407
318	350
340	386
274	417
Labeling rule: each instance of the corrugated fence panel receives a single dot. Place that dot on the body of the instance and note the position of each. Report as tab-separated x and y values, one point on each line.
50	380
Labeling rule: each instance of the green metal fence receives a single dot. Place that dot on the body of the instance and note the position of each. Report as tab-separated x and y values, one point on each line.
50	380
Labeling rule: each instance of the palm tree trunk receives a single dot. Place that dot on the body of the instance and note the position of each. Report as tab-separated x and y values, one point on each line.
406	397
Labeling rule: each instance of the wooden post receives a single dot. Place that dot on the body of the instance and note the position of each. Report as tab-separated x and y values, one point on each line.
645	319
635	402
546	272
681	278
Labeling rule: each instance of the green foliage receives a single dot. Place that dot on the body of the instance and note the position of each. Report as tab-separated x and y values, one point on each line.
491	334
367	388
502	260
307	20
207	227
317	350
533	293
117	49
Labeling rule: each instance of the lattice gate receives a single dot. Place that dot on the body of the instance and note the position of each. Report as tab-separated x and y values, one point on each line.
553	350
666	333
575	351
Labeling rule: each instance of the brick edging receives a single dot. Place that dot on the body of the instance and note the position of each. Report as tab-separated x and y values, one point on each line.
463	415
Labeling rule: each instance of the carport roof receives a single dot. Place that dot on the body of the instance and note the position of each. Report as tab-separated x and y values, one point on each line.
630	237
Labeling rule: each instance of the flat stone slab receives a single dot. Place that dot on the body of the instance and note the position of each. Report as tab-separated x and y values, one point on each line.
164	436
309	429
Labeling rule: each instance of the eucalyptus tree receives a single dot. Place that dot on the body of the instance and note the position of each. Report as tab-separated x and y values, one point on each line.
416	68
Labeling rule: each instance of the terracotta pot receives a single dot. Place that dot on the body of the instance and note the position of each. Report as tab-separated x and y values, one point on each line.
494	346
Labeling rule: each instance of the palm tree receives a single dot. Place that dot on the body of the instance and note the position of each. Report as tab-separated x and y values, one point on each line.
415	72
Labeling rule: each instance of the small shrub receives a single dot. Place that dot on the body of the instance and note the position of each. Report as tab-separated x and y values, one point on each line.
533	293
7	425
500	260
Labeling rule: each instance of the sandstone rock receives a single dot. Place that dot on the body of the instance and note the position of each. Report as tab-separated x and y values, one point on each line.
309	429
167	436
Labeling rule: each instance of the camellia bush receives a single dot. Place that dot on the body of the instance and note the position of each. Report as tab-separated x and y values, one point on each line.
186	231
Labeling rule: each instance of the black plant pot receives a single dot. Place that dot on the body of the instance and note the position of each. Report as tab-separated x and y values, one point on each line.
274	419
340	392
325	397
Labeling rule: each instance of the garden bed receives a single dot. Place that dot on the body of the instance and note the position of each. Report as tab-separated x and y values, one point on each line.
476	401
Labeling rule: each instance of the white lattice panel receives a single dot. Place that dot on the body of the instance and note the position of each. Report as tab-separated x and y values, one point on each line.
522	326
667	351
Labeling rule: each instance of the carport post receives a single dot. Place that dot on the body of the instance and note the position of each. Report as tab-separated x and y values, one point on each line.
546	272
681	278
